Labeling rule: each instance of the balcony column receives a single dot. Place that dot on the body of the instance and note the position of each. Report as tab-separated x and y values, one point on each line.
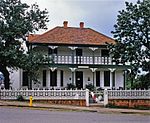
112	77
93	71
73	52
73	74
93	54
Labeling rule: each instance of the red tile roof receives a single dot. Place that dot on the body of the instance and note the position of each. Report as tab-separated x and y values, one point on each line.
71	35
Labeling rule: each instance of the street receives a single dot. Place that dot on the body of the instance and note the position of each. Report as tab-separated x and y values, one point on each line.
24	115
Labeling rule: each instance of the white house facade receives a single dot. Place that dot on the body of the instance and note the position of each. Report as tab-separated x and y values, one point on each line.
79	56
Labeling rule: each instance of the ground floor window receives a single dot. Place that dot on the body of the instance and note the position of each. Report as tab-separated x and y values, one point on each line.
25	79
113	79
107	78
44	78
98	78
61	78
53	78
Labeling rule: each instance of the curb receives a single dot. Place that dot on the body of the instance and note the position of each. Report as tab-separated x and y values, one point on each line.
53	108
100	110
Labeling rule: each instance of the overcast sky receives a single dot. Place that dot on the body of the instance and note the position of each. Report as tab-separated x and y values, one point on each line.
99	15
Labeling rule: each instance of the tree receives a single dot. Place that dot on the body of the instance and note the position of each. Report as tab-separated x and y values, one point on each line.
17	20
132	35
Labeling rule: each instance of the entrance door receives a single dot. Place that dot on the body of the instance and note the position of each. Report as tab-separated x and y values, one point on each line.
79	79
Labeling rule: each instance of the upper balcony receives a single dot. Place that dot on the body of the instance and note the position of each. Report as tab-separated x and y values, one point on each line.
81	60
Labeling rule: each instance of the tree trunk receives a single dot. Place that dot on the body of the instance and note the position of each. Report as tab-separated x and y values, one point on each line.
5	72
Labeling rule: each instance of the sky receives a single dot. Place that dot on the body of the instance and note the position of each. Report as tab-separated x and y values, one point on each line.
99	15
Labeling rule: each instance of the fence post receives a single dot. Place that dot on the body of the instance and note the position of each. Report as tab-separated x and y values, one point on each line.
105	97
87	97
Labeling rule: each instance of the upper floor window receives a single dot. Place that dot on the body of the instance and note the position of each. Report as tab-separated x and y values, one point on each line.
52	51
78	52
105	53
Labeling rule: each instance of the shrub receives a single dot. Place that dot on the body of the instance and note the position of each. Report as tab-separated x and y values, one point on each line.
71	86
90	87
20	98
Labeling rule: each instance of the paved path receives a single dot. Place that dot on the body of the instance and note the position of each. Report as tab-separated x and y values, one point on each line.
23	115
75	108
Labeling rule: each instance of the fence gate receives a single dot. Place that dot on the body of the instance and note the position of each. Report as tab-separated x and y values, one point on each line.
96	98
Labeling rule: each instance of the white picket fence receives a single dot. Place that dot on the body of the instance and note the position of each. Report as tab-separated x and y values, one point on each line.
46	94
74	94
129	94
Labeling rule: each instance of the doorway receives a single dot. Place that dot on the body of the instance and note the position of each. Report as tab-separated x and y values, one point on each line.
79	79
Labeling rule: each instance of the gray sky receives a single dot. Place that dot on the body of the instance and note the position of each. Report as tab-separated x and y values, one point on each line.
99	15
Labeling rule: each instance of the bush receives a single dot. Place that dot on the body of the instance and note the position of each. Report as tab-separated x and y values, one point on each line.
71	86
90	87
20	98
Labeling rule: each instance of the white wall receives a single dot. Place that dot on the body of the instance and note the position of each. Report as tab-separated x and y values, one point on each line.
15	78
119	79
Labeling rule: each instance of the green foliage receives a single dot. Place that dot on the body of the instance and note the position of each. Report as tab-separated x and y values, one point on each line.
90	87
20	98
32	62
17	20
142	82
71	86
132	35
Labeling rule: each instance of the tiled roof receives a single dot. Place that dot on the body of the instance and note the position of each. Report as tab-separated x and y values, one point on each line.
71	35
32	37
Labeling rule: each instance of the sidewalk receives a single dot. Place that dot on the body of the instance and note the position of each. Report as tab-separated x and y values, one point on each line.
73	108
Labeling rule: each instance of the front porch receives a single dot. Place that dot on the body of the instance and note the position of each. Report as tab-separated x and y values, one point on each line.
59	78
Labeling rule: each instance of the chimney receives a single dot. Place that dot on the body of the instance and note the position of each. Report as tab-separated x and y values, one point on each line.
65	24
81	25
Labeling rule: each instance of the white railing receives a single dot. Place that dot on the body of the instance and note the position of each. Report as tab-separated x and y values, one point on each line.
81	60
46	94
128	94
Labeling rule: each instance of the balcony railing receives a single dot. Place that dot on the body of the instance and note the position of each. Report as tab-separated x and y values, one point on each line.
97	60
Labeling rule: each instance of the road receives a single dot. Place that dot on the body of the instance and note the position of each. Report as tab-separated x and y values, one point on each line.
24	115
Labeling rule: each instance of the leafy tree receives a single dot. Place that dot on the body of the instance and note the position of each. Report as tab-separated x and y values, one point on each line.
32	62
132	34
17	20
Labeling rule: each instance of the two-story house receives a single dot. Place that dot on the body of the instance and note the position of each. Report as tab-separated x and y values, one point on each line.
79	56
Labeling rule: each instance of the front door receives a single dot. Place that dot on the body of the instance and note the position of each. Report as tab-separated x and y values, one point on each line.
79	79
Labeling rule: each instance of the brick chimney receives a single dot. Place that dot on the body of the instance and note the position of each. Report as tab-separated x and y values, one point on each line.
81	25
65	24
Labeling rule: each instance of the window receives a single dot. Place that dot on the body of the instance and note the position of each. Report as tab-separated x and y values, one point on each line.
113	79
97	78
107	78
44	78
78	52
61	78
25	79
52	51
53	78
105	53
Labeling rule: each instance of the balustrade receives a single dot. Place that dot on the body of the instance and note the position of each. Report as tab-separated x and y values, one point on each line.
64	59
44	94
129	94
